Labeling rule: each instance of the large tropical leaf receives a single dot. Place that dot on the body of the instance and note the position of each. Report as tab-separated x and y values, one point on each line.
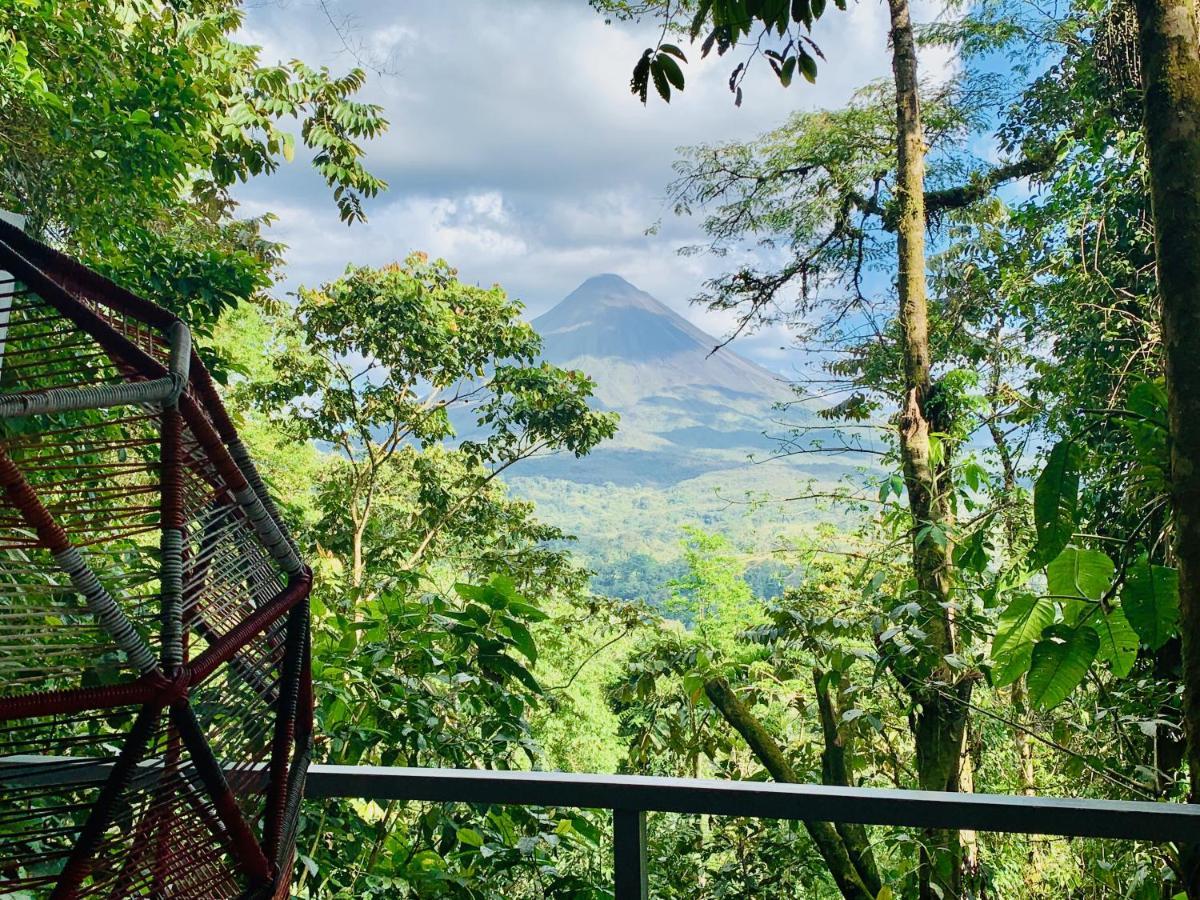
1060	663
1019	627
1056	501
1151	602
1148	430
1010	664
1118	641
1083	574
1022	622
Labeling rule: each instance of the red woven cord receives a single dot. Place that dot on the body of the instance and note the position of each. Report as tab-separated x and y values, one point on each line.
285	728
119	346
202	384
249	853
21	495
172	476
204	664
75	700
82	858
134	357
72	276
207	437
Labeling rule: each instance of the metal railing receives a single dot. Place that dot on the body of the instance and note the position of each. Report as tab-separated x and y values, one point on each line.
630	797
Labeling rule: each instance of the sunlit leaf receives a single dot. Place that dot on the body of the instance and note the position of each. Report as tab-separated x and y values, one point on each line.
1060	663
1118	641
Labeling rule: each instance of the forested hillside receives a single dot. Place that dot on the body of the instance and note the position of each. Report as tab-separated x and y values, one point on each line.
994	586
703	443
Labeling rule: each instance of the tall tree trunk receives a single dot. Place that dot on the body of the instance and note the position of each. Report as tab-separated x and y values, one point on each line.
1026	777
1169	46
836	769
853	884
940	714
969	837
356	562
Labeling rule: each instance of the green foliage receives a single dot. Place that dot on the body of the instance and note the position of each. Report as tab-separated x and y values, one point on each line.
159	101
429	343
1056	501
125	125
1059	662
723	25
454	627
1118	640
1019	627
1151	601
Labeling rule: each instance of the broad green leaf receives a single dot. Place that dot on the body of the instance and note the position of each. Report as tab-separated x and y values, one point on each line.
787	70
527	611
1148	430
470	837
1086	574
427	861
470	591
522	639
659	77
671	69
1118	641
1021	623
1151	602
808	65
971	552
586	829
504	585
1011	664
1056	501
512	668
1058	666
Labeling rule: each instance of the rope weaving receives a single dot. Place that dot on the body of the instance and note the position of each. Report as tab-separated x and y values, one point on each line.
155	686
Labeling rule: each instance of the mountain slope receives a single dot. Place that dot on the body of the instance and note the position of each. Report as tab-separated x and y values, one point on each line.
685	409
608	320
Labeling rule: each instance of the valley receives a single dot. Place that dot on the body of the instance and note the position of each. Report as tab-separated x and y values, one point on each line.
694	448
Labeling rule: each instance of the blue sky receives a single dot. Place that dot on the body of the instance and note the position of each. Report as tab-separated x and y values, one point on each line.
516	150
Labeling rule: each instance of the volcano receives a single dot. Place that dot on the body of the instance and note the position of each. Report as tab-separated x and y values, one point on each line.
637	348
686	407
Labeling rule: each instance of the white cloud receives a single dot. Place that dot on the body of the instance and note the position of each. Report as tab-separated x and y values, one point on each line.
516	150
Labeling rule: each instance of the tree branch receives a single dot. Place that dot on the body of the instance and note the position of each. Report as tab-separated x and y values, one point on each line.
829	843
983	183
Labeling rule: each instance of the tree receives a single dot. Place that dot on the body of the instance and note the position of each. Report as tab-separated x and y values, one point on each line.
1169	43
124	126
433	584
382	359
940	693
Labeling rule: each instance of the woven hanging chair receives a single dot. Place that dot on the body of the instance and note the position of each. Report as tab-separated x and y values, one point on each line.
155	696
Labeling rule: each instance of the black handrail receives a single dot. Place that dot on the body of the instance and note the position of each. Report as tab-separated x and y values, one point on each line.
632	796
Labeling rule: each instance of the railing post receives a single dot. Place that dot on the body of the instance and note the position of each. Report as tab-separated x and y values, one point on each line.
629	854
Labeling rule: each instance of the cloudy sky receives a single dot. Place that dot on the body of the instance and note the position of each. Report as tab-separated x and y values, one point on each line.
516	150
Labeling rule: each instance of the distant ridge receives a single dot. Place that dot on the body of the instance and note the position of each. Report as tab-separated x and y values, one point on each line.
685	409
653	348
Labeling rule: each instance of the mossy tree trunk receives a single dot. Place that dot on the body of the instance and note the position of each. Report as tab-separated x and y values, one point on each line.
939	697
852	866
1169	47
